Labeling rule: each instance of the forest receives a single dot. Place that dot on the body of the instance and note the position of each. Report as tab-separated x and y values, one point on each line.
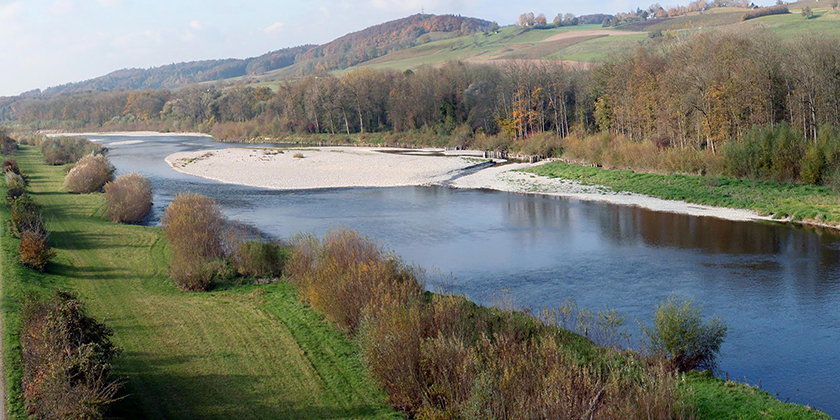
686	103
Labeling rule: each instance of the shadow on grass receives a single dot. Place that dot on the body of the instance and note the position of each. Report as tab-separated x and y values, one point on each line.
86	273
152	392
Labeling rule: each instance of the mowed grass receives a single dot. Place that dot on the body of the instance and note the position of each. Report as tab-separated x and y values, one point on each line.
248	352
805	203
727	400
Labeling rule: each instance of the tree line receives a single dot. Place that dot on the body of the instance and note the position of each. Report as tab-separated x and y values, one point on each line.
695	92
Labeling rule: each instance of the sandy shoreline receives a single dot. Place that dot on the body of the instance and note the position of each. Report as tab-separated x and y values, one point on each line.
342	167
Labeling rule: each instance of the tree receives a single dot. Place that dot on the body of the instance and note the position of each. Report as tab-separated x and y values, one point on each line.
807	13
541	20
680	332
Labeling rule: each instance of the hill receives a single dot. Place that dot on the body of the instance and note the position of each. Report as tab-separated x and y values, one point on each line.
343	52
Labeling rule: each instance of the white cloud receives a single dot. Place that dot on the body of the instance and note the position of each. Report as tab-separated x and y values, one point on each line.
198	25
62	7
274	29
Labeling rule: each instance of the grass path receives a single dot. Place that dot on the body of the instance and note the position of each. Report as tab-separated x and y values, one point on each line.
252	352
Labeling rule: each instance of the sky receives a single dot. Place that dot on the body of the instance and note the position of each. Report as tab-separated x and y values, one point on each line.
46	43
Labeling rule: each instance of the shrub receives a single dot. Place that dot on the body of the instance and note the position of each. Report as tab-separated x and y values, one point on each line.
63	150
193	225
14	180
11	165
772	153
13	194
33	251
90	174
67	358
346	276
26	216
128	199
441	357
298	155
680	332
258	259
7	144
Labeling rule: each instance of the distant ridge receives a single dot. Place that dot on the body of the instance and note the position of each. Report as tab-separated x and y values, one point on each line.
346	51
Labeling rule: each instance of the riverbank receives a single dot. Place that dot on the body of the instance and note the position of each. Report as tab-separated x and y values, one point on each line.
240	351
57	133
343	167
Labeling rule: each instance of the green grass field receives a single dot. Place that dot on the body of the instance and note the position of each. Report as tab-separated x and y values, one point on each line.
247	352
806	203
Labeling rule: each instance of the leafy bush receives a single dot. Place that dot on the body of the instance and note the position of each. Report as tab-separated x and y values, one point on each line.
14	180
680	332
128	199
67	358
33	250
90	174
193	225
11	165
258	259
63	150
26	216
7	144
346	276
772	153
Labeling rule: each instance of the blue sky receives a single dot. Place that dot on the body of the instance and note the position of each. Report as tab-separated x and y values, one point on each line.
49	42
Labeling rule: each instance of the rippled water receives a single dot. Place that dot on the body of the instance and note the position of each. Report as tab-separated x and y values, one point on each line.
778	287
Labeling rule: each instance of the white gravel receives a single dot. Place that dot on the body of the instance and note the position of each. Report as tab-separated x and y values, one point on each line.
338	167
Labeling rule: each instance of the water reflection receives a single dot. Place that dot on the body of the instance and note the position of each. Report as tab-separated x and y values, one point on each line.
777	286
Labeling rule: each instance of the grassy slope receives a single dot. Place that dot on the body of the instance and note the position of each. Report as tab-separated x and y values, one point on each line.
721	400
248	352
800	202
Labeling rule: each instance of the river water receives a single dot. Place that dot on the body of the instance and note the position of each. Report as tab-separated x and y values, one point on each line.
776	286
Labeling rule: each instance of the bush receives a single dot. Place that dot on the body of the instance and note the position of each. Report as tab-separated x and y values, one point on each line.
772	153
7	144
441	357
14	180
63	150
193	225
33	251
90	174
258	259
679	332
67	358
26	216
128	199
11	165
346	276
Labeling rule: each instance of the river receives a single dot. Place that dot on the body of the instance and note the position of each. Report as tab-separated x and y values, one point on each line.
776	286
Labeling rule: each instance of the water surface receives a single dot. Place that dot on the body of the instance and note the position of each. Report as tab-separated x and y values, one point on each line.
777	286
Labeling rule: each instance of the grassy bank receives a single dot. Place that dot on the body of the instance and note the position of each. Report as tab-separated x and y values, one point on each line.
247	352
807	204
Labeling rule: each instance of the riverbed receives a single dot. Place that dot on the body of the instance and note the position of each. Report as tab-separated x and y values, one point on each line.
777	286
